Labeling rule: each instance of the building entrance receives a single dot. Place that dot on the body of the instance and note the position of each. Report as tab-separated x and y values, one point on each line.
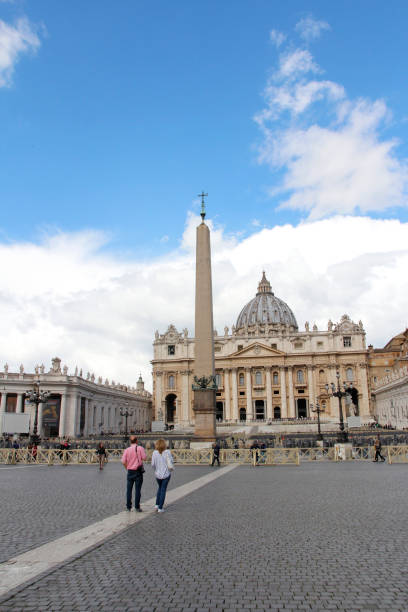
301	406
171	408
219	411
242	414
259	410
277	412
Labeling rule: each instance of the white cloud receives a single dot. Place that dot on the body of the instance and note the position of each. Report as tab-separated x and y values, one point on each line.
67	297
278	38
329	149
298	61
15	40
309	29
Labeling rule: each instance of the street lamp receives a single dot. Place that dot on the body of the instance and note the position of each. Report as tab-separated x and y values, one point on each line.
126	413
318	411
36	397
337	392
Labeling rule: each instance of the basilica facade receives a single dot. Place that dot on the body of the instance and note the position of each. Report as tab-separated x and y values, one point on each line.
267	370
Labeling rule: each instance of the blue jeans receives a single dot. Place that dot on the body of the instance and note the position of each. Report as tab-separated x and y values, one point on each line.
161	491
134	477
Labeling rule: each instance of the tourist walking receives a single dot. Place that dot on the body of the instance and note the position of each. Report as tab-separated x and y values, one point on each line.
216	453
163	465
378	446
101	452
132	460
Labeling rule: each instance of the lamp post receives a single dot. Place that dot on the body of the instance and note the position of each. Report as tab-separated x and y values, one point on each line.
126	413
36	397
337	392
318	411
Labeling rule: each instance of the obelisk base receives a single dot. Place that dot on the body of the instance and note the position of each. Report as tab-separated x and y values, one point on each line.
204	412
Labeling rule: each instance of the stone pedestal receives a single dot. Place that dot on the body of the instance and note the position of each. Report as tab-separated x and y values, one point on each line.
343	451
158	426
204	412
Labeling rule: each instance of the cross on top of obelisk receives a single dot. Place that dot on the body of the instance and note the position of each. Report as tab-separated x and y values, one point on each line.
202	196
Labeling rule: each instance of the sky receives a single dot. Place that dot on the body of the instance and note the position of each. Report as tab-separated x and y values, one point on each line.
114	116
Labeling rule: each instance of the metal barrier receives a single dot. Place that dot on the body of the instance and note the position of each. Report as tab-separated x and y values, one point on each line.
317	454
189	456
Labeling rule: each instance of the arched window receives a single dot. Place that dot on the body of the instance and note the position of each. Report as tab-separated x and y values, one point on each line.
349	374
321	375
171	382
300	377
241	379
218	380
275	378
258	378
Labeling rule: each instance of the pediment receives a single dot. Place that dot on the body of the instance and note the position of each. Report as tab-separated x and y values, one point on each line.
257	349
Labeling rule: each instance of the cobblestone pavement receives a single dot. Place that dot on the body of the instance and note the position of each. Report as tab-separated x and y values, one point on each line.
316	537
41	503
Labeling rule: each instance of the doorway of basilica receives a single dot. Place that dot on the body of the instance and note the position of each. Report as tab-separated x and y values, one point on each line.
170	408
301	408
259	410
219	411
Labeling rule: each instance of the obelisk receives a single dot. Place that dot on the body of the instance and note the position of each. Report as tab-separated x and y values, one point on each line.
204	386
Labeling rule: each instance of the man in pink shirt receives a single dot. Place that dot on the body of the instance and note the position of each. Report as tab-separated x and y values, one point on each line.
132	460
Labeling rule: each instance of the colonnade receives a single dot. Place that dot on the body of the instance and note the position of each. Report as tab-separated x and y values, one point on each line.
96	414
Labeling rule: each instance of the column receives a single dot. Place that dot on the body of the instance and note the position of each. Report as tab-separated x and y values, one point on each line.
158	397
63	416
364	402
184	397
269	410
334	401
19	408
3	404
40	419
312	398
235	415
249	408
284	407
292	412
87	416
72	416
227	395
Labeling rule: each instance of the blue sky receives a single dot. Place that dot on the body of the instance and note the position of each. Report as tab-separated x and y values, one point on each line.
128	109
114	115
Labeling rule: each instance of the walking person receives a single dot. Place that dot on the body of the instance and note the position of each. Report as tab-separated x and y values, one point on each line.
132	460
378	446
163	465
101	452
216	453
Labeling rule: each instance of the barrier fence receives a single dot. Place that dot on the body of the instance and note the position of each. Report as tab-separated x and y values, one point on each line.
244	456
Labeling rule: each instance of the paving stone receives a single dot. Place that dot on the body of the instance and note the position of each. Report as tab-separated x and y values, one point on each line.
321	537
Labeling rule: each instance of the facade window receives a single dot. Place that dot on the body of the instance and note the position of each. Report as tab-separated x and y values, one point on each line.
241	379
275	378
321	375
258	378
276	392
274	345
320	344
240	347
242	392
171	349
218	380
349	374
298	345
346	341
171	382
299	376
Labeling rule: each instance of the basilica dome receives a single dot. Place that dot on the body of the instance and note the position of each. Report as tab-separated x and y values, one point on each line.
266	309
